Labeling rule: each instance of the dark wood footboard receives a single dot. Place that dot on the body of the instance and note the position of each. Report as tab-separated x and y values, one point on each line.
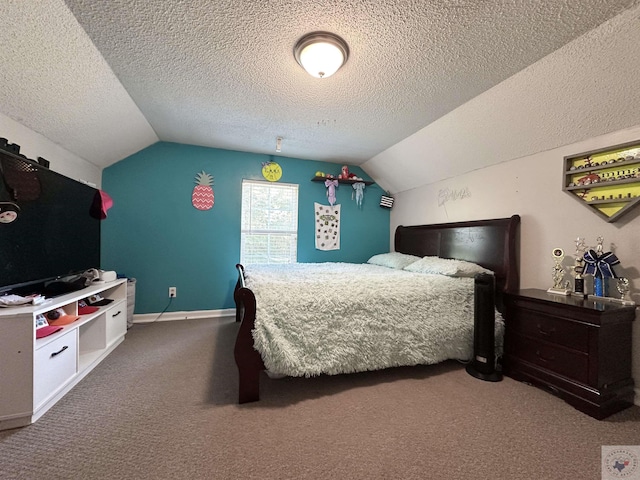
248	360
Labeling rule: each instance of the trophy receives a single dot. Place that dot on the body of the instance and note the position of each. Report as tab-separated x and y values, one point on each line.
599	247
602	268
578	267
600	264
623	287
558	273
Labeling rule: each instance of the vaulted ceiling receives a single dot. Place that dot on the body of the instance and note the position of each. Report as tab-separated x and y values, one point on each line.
105	79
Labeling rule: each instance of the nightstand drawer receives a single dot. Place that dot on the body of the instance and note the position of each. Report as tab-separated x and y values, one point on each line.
574	365
550	329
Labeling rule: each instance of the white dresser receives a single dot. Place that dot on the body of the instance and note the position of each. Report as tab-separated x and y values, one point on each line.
36	373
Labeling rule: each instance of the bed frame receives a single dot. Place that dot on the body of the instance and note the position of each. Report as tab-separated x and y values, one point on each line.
489	243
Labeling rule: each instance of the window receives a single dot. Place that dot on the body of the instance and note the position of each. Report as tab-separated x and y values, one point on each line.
269	223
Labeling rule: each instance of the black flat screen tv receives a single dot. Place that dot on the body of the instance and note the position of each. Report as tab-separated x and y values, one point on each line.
47	230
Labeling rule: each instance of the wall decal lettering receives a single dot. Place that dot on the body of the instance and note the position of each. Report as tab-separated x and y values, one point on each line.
446	194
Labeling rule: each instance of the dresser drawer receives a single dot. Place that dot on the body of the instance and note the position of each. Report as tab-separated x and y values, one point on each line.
116	322
570	364
551	329
54	364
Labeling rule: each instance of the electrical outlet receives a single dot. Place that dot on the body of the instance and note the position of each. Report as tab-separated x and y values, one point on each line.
172	292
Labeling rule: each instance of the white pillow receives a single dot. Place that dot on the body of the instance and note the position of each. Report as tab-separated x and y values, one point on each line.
446	266
393	260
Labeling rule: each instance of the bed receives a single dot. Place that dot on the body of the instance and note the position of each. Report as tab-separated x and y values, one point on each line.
313	319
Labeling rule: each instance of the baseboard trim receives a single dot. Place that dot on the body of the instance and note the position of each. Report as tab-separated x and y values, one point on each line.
171	316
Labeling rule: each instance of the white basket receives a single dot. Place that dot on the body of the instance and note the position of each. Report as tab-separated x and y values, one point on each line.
131	300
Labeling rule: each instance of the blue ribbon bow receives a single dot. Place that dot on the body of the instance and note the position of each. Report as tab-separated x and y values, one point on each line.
600	265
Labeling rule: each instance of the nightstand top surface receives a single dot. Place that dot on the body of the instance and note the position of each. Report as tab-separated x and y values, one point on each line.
572	300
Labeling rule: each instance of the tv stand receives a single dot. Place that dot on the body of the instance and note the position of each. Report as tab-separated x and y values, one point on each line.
36	373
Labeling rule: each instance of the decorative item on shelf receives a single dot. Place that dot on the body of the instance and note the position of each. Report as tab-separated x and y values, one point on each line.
558	273
358	192
331	190
578	267
623	287
345	173
386	201
600	265
588	179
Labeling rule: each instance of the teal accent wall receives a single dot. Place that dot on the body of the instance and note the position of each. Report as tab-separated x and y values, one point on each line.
153	233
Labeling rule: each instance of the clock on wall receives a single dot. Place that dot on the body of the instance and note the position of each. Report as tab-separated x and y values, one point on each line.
271	171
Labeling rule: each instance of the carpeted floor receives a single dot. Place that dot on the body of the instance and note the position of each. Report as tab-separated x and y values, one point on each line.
162	406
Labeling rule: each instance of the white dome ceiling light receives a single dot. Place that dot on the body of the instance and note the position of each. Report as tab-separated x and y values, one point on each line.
321	54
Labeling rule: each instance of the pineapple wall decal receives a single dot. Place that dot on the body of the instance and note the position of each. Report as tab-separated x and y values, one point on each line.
202	197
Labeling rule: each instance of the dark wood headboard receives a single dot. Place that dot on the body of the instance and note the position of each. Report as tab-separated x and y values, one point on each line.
492	244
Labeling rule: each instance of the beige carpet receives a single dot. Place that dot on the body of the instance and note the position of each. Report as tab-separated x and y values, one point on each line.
162	406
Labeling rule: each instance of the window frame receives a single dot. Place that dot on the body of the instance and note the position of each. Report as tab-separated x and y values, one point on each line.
246	231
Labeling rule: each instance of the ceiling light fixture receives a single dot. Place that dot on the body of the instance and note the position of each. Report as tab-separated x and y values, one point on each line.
321	54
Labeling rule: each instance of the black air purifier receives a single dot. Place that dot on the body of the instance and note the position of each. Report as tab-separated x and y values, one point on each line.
483	363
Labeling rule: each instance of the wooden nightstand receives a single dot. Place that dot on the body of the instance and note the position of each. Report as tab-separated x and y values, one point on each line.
579	349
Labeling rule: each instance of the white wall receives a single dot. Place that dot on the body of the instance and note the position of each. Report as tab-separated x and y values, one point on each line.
34	145
532	187
502	153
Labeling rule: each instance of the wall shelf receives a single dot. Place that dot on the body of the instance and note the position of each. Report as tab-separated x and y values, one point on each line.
595	168
606	180
341	180
605	183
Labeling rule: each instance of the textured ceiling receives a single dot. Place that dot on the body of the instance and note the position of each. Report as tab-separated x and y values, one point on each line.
222	73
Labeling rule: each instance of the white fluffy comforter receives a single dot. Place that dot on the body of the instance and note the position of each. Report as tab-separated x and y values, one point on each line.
331	318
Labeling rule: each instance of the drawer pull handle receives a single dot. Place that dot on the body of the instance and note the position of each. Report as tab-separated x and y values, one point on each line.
59	351
544	332
550	359
116	314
